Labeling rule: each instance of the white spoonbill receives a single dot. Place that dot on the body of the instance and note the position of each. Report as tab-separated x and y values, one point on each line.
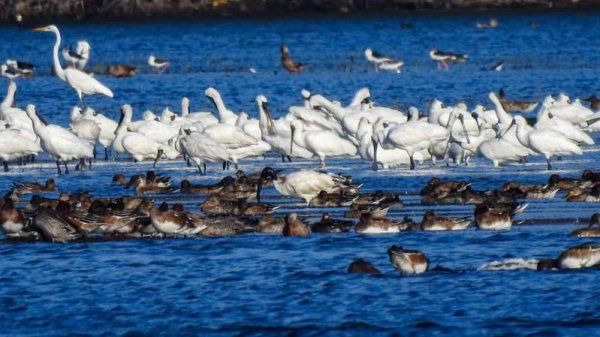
546	120
385	158
84	128
411	137
59	142
122	129
13	145
322	143
225	116
81	82
108	127
305	184
546	142
205	118
201	149
277	133
141	147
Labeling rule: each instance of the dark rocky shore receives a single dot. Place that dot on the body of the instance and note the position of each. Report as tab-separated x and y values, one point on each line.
36	10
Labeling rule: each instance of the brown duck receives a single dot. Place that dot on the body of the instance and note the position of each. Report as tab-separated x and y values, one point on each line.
294	226
289	64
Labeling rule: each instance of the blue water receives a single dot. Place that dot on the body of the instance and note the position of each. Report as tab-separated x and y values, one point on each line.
265	285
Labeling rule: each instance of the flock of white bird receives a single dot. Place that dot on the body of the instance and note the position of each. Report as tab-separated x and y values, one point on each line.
319	128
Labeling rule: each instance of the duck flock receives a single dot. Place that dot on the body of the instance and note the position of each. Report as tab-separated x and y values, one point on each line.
317	129
233	207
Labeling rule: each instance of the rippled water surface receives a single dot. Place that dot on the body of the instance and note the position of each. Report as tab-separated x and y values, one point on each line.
272	285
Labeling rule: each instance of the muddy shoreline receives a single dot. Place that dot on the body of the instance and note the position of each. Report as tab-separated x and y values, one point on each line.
105	10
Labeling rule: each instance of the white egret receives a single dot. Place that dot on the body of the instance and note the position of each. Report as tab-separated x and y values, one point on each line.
82	83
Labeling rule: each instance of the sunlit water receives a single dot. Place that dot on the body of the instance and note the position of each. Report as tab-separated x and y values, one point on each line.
271	285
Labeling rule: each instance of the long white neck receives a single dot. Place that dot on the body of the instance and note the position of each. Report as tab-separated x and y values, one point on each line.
503	116
185	107
298	135
360	96
522	135
38	126
124	124
224	114
542	115
57	67
335	110
9	100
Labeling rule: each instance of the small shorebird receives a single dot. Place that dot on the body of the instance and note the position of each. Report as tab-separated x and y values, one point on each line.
383	62
408	262
158	65
9	72
289	64
25	68
443	58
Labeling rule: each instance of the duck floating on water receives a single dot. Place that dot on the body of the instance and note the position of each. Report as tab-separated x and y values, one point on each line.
408	262
360	266
582	256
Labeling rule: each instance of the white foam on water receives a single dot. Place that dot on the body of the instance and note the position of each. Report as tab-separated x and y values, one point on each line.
510	264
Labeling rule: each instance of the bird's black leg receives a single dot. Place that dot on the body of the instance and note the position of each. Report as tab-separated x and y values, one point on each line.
66	167
200	170
58	166
204	164
105	154
224	165
549	164
5	164
282	158
289	159
412	163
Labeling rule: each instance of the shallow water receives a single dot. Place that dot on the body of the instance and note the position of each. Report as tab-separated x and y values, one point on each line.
271	285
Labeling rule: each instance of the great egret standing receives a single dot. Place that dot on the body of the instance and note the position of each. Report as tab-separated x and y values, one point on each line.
81	82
